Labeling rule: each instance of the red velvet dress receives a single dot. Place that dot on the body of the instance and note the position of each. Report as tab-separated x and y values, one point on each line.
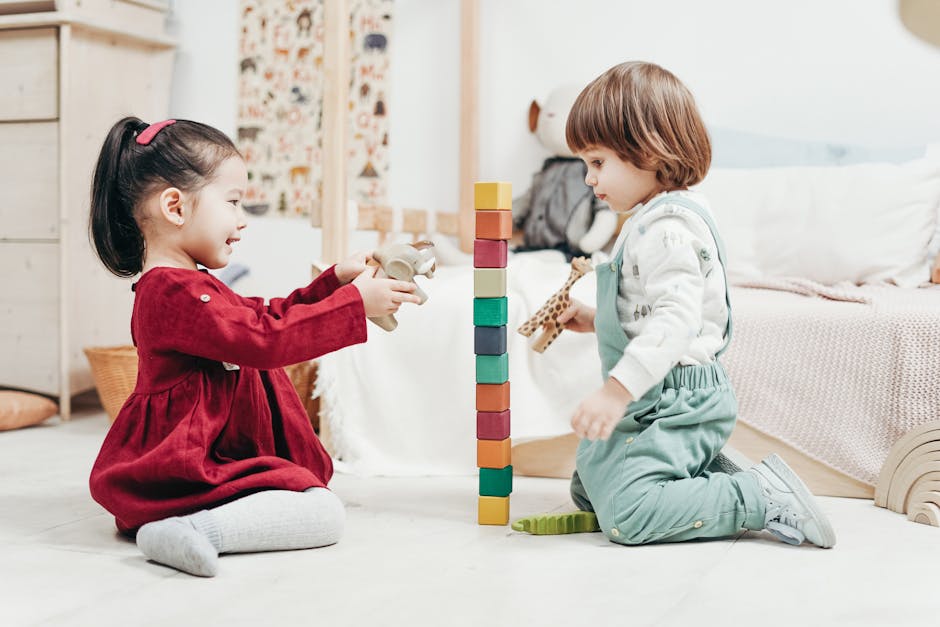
194	434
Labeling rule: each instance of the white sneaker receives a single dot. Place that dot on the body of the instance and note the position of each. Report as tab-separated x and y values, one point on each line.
792	512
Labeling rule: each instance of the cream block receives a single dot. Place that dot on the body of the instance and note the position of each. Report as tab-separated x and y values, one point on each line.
489	282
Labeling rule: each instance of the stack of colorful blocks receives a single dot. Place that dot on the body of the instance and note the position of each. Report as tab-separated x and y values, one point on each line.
493	209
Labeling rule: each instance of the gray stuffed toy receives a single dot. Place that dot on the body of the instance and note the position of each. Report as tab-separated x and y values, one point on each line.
559	211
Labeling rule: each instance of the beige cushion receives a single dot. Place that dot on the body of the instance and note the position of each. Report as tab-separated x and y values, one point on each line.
21	409
863	223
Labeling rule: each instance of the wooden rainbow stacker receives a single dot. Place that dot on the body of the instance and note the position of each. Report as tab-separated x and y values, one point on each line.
493	210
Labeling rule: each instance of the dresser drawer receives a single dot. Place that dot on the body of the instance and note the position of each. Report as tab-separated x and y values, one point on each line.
29	74
29	175
29	316
146	17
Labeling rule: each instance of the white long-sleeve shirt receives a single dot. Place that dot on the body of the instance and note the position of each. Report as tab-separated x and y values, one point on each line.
671	300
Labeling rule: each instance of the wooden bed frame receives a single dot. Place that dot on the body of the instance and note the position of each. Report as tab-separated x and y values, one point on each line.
552	457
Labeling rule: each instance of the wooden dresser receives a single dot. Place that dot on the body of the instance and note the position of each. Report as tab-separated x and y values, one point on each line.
69	70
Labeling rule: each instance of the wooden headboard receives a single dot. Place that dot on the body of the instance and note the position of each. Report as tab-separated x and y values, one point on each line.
387	220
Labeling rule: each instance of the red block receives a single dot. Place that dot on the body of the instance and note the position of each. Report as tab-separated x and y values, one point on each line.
492	425
489	253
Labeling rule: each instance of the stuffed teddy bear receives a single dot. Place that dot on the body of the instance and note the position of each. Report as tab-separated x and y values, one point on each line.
559	210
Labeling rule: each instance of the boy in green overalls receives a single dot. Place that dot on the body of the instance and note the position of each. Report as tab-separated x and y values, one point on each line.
666	408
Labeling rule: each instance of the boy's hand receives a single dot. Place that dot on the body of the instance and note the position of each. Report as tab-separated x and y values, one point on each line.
599	413
381	297
577	317
351	267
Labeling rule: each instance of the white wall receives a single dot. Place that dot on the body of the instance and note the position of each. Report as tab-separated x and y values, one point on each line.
205	72
424	104
839	70
205	87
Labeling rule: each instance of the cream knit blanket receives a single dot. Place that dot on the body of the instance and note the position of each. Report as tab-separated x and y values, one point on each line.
838	372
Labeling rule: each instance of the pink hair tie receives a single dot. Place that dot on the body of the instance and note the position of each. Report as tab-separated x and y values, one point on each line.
148	133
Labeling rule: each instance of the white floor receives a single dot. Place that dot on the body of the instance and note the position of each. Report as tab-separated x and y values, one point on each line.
414	555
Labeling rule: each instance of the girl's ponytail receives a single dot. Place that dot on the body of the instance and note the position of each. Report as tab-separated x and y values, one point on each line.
117	238
182	154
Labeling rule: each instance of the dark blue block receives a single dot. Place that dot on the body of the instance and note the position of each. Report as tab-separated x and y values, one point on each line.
489	340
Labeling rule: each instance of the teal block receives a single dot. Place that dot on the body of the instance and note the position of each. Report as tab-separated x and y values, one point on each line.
493	368
490	312
496	481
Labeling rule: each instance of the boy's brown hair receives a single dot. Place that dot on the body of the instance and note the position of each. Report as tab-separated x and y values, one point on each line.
647	117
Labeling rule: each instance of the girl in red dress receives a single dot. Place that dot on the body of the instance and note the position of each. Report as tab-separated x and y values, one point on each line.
213	451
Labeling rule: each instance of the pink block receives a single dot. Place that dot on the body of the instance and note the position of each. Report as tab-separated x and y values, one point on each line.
489	253
493	425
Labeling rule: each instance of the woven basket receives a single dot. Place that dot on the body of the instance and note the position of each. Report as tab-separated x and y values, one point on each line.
304	378
115	371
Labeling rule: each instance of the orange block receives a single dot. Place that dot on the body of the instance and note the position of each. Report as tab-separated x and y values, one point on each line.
494	224
494	453
493	397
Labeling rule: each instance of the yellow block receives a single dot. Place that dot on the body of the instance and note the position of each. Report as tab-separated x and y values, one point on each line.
489	282
492	196
493	510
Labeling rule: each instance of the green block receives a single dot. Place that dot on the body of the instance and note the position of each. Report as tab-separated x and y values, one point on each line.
554	524
493	368
496	481
490	312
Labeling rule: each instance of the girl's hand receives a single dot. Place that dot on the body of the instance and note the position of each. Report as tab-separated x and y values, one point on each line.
577	317
381	297
599	413
351	267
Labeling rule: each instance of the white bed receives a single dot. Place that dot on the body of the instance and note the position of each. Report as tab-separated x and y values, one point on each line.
827	381
404	402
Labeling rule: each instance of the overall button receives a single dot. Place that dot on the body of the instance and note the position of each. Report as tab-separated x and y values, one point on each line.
205	298
698	524
615	532
630	440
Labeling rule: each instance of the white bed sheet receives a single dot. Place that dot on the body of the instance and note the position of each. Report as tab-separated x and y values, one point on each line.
836	379
403	403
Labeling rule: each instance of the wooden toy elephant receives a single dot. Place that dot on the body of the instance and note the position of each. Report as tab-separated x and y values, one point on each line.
403	262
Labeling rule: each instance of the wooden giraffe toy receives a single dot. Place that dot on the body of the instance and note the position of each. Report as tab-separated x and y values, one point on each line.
548	314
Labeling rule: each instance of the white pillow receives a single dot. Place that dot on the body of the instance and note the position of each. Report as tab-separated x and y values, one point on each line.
865	223
933	152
